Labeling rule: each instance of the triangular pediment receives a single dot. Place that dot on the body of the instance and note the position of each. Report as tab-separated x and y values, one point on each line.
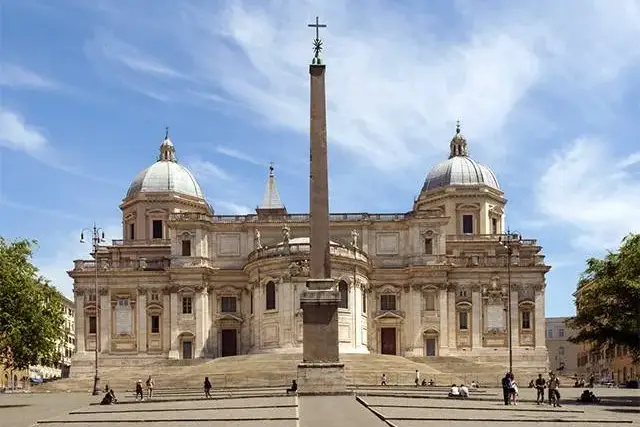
388	314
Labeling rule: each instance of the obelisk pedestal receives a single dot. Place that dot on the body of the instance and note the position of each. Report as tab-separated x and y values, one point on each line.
321	371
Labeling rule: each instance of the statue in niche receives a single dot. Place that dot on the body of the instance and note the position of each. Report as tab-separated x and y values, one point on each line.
299	268
257	239
286	234
354	238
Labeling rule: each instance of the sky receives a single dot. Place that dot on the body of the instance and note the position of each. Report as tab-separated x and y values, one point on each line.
546	92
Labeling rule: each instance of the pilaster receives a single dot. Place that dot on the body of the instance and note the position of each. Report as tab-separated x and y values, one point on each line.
79	323
173	337
444	315
540	338
142	321
451	309
200	310
476	324
166	322
515	318
105	322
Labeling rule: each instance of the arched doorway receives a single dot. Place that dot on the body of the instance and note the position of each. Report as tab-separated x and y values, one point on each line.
430	343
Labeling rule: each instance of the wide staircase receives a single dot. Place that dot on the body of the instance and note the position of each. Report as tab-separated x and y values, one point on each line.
260	370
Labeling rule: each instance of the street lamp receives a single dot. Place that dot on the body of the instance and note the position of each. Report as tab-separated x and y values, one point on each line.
507	241
97	236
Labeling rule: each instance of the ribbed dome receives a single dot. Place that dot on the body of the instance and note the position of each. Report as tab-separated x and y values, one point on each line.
166	175
459	169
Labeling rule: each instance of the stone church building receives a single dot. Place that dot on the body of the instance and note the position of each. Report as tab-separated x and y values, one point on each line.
187	283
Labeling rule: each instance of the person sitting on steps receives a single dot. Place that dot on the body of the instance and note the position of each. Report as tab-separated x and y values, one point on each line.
109	398
293	388
464	391
454	392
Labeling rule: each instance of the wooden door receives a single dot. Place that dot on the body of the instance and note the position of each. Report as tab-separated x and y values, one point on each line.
430	344
229	342
388	340
186	350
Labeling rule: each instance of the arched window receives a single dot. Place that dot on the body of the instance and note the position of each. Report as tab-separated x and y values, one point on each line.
344	294
271	296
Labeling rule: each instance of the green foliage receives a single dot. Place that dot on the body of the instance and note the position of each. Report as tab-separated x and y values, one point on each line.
608	300
31	311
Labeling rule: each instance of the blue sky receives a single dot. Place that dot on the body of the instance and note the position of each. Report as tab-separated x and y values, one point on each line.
546	91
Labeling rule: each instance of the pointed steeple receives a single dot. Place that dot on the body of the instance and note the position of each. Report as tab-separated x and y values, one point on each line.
167	150
271	203
458	145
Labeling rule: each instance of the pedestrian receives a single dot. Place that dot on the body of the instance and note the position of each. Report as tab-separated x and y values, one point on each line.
417	378
293	388
554	394
513	390
383	379
540	386
506	382
139	390
150	385
207	388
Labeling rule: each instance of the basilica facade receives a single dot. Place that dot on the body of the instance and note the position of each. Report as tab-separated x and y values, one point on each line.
437	280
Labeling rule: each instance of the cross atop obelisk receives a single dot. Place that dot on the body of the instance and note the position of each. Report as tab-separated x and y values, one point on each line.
317	43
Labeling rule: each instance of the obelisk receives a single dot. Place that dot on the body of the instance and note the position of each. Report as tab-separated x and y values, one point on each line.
321	371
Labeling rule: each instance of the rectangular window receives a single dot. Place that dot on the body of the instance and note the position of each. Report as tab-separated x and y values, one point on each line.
387	302
251	302
156	226
271	296
560	332
155	324
463	317
550	333
186	305
228	304
154	296
526	320
494	226
186	248
92	297
428	246
467	224
430	302
364	301
132	231
92	324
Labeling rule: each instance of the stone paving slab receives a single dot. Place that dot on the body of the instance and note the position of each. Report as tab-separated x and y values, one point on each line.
505	423
335	411
220	423
24	409
155	405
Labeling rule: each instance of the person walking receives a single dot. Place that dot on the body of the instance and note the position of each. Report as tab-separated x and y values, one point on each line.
540	385
150	385
139	392
506	382
207	388
554	394
383	379
417	378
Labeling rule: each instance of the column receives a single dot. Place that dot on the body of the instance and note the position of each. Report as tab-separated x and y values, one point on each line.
443	339
476	323
173	333
357	316
105	321
452	325
515	317
142	320
539	318
199	311
166	321
79	320
417	304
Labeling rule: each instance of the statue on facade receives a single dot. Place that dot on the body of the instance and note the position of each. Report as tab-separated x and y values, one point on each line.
354	238
286	234
257	239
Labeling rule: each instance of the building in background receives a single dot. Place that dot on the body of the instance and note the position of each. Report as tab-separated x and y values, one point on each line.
563	354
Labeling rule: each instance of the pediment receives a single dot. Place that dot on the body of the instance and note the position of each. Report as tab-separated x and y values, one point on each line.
230	316
388	315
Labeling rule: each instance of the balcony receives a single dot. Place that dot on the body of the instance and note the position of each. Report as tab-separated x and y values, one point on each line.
191	262
304	249
124	265
486	238
148	242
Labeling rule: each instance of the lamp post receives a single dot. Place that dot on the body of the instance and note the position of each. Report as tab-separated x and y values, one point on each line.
97	236
507	241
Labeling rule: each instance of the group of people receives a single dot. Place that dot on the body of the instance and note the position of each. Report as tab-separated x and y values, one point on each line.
552	385
150	385
510	390
461	392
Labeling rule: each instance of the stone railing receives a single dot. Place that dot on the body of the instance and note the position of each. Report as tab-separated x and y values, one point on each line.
497	261
304	249
486	238
126	265
293	218
148	242
190	217
190	262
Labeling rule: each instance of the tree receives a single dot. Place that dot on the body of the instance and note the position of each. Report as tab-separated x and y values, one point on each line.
31	311
608	300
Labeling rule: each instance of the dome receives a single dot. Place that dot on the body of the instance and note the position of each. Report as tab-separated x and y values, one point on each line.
459	169
166	175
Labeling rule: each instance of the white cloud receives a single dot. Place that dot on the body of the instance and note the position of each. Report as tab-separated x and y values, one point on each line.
12	75
233	208
206	170
586	187
67	249
231	152
16	134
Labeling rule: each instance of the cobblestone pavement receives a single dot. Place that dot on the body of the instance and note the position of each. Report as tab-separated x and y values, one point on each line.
375	407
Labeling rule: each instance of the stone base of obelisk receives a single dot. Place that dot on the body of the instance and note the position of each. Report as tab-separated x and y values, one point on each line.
321	371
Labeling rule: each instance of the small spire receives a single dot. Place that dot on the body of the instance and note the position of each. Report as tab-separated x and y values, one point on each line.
458	145
271	196
317	43
167	150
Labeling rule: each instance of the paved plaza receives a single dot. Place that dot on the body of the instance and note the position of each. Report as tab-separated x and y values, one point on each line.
269	407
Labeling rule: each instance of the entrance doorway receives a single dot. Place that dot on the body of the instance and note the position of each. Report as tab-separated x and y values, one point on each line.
430	346
229	342
388	340
186	350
